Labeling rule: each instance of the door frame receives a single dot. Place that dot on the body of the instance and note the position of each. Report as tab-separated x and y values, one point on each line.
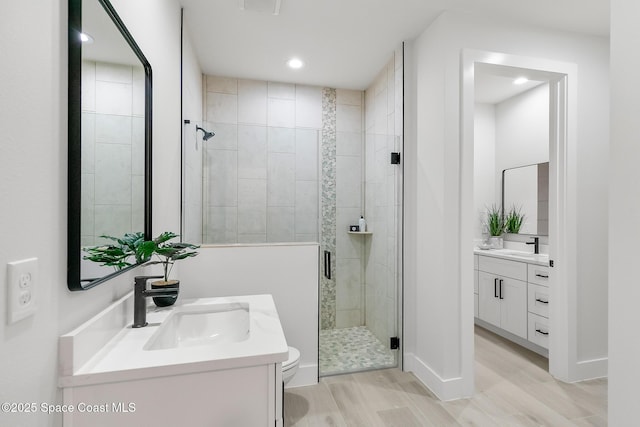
562	78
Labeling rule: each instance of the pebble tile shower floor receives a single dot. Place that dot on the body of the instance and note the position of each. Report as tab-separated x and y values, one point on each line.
351	350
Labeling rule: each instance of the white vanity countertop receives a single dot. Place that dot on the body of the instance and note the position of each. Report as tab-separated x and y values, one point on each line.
123	358
528	257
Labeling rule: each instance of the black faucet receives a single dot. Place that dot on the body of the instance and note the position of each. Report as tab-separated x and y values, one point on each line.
140	292
536	245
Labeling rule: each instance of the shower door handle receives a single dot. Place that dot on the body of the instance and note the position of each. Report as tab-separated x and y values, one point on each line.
327	264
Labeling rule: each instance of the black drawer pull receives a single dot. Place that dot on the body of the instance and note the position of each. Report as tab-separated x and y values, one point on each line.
542	332
542	275
495	287
542	301
501	289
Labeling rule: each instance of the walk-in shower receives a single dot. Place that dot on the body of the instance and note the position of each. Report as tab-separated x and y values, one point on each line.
296	163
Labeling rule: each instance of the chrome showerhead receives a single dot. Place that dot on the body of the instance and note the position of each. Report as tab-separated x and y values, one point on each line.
207	135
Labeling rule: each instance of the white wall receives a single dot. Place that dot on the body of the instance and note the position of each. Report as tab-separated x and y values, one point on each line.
33	146
624	208
440	355
289	272
192	144
522	130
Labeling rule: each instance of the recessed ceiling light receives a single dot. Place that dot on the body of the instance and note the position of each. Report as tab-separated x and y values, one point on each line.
86	38
520	80
295	63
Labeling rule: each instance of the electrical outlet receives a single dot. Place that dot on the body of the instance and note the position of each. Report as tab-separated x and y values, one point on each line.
21	289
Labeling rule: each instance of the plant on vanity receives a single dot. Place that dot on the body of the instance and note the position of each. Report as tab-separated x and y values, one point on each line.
117	254
514	220
167	253
132	249
495	222
495	226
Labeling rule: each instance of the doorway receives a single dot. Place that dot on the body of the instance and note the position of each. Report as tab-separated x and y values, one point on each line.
562	102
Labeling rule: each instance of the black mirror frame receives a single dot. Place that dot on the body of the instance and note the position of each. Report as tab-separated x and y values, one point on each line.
74	280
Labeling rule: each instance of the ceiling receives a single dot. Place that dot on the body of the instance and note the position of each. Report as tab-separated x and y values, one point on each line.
493	89
345	43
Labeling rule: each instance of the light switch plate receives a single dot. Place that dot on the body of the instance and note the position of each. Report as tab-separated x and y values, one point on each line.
22	278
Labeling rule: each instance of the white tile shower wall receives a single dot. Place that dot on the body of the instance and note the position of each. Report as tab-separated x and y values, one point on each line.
383	122
349	206
112	150
261	168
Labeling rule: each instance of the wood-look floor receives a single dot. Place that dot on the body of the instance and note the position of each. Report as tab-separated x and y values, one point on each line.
513	388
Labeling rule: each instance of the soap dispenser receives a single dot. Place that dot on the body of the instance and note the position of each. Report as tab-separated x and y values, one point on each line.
362	224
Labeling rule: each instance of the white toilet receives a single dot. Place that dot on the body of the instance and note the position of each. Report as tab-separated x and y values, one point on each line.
290	367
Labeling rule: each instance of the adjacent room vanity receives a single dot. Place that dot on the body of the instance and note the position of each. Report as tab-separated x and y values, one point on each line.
512	297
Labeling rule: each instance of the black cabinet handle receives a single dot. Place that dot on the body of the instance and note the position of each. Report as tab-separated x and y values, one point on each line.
542	332
542	301
501	289
327	264
542	275
495	287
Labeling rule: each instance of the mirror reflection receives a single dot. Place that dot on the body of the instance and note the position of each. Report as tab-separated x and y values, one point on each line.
526	189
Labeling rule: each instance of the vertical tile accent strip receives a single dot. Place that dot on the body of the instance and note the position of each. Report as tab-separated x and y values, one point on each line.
328	227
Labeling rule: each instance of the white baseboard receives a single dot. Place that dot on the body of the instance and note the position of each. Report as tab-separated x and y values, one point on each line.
306	375
590	369
444	389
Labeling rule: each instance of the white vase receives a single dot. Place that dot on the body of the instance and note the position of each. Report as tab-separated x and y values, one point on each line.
496	242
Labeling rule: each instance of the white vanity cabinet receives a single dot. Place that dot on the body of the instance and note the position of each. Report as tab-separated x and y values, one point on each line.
114	375
538	307
513	296
502	294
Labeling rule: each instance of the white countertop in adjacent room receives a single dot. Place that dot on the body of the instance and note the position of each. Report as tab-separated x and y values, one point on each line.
528	257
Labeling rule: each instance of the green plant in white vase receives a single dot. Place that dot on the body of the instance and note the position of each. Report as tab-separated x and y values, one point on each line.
495	222
495	225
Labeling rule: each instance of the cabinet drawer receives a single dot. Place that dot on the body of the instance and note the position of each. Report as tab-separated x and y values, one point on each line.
538	330
538	300
501	267
538	274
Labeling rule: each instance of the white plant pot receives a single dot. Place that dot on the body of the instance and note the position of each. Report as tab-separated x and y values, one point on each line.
496	242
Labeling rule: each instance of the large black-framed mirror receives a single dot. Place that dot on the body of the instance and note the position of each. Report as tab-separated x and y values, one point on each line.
109	146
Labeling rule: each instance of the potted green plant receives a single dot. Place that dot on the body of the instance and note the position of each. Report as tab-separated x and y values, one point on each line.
514	220
495	225
166	253
119	253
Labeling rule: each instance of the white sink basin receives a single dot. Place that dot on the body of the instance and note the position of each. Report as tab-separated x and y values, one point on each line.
199	325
